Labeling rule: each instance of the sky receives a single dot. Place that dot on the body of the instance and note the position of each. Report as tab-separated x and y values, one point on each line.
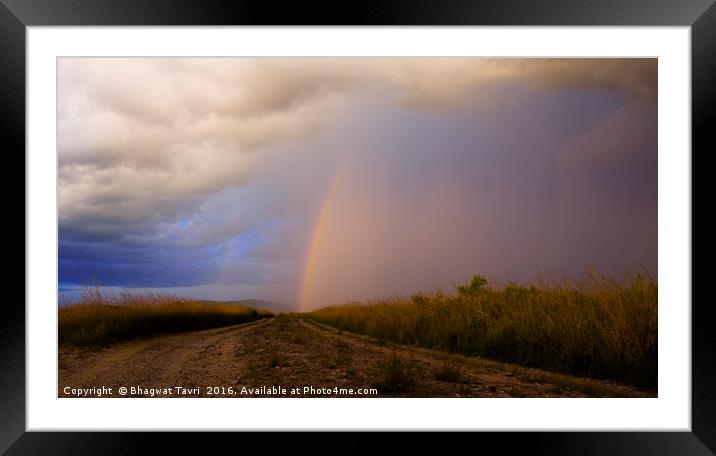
317	181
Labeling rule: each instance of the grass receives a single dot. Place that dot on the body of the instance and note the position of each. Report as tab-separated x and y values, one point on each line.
395	376
342	346
601	328
515	391
100	318
449	372
337	361
277	361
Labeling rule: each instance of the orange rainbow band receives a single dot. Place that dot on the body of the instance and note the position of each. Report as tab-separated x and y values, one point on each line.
319	230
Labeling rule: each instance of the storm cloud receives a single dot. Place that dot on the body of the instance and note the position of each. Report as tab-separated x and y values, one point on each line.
199	172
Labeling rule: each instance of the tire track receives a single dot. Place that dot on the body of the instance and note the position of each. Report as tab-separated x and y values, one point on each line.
171	360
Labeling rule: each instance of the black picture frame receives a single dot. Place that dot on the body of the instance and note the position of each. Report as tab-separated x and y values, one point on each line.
16	15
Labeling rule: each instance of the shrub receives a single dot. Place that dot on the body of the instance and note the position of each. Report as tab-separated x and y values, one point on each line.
449	372
476	287
395	376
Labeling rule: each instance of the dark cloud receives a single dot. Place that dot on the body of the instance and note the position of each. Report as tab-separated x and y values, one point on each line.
189	172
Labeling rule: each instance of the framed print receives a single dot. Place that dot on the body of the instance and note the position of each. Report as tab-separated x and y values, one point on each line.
474	217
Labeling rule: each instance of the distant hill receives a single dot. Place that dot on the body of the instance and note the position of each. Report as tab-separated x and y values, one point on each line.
260	304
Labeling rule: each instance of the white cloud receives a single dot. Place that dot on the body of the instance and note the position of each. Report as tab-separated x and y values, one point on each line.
145	141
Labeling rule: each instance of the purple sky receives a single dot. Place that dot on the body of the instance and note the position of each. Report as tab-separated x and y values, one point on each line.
317	181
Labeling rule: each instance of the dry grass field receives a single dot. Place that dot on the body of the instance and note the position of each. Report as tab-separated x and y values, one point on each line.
605	328
100	318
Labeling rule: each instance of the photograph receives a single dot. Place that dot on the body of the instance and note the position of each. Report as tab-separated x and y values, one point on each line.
357	227
377	223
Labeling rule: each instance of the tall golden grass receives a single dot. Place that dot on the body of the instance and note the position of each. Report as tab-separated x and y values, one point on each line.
101	317
605	328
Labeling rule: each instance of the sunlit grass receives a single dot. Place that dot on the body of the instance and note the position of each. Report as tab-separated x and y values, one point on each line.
603	328
100	317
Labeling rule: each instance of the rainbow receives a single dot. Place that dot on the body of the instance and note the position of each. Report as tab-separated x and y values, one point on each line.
319	231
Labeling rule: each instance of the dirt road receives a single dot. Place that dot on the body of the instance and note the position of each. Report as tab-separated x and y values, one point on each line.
287	356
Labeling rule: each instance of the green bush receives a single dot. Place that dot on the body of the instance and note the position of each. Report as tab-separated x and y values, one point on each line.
476	287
